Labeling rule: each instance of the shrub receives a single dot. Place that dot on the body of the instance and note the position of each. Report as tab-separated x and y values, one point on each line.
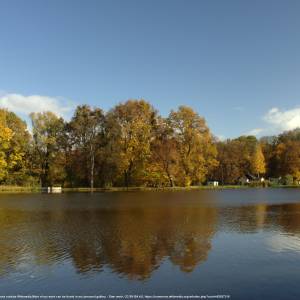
288	180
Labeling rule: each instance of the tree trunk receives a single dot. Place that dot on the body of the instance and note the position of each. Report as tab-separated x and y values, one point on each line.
170	179
222	175
126	179
45	171
92	169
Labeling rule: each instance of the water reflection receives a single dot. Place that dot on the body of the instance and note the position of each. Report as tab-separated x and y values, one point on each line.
132	239
262	216
129	234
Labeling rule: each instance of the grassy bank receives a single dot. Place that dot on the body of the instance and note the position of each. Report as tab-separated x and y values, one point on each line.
21	189
18	189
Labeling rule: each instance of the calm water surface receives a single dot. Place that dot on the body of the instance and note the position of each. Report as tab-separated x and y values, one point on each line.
243	243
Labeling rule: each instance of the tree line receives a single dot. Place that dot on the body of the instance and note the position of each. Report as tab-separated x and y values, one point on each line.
132	145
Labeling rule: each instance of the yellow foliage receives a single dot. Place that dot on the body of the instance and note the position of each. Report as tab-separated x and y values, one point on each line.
258	161
5	138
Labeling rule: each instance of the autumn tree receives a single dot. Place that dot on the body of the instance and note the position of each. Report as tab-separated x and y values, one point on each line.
238	158
132	145
161	169
267	144
282	154
129	131
288	158
258	161
47	129
194	143
15	145
231	162
5	140
86	135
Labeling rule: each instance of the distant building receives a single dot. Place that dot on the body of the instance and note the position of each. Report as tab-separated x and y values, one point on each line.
244	180
213	183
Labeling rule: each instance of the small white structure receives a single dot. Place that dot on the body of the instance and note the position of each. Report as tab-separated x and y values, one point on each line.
213	183
56	189
52	189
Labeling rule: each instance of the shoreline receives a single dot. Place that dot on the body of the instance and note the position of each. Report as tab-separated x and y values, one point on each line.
20	189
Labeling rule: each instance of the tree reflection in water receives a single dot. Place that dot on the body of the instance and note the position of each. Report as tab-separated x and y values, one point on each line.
129	233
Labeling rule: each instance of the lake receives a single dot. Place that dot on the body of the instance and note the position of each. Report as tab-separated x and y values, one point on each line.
243	243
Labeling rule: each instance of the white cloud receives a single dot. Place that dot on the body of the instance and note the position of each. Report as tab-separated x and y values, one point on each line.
277	121
283	120
21	104
255	131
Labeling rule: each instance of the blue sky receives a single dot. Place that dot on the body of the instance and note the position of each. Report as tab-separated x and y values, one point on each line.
237	63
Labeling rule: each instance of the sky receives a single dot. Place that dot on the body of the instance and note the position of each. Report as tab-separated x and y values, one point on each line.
237	63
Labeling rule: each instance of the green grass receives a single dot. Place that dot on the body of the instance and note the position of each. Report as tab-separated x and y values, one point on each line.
21	189
18	189
24	189
132	189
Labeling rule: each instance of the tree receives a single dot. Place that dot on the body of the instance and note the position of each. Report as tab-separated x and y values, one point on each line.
238	158
283	154
258	161
230	168
18	151
288	179
129	131
288	158
133	145
196	150
5	140
161	169
267	147
15	143
86	135
47	130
